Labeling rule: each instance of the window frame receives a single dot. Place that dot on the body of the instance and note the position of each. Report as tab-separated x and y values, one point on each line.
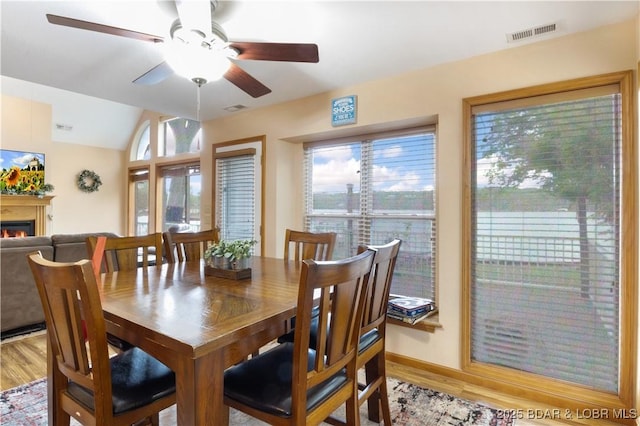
164	170
153	164
560	393
231	148
431	216
143	128
135	175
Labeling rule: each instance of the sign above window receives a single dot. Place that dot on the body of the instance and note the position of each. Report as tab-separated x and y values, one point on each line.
344	110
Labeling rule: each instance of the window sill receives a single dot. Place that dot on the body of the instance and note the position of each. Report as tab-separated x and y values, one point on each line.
429	324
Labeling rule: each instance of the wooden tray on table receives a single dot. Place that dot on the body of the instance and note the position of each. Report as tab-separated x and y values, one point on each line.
231	274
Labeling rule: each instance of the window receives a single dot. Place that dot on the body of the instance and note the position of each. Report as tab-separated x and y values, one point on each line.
545	273
373	189
181	188
238	191
164	192
179	135
139	188
142	144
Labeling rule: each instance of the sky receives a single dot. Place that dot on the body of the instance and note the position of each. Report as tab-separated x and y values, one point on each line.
399	164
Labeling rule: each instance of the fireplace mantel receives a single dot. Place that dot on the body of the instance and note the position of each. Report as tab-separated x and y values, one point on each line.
26	207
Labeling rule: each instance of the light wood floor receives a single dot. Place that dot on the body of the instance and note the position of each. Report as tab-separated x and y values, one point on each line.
22	360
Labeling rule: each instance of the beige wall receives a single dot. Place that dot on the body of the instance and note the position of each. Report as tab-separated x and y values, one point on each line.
421	96
434	94
26	126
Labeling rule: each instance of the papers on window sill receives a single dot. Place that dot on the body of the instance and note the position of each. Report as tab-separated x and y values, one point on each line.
410	309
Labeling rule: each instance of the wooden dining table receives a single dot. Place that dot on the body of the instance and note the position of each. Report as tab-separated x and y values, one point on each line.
198	324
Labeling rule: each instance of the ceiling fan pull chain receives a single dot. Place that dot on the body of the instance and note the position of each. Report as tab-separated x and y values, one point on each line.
198	103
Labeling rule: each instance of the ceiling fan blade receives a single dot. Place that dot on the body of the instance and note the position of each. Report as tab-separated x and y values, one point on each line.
155	75
92	26
289	52
246	82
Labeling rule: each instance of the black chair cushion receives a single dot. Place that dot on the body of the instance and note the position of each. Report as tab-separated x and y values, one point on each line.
264	382
137	379
313	334
368	339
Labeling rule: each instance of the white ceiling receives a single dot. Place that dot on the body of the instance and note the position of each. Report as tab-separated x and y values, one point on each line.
358	41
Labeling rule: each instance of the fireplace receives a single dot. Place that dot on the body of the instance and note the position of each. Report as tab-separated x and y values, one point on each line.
24	213
17	228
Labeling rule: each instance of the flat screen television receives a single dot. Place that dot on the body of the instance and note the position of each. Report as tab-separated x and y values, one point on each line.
22	171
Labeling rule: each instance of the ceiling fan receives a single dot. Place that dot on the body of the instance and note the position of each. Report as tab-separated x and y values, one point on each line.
200	50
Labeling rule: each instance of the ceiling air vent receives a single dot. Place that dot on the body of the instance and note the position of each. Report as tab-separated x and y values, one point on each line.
531	32
64	127
234	108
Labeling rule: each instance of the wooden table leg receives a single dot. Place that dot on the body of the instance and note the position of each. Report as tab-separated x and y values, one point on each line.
200	391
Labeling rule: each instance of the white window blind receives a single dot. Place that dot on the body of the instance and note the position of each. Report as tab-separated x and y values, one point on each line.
546	235
235	194
373	190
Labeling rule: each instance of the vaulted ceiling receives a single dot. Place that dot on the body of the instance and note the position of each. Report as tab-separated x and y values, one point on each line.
357	41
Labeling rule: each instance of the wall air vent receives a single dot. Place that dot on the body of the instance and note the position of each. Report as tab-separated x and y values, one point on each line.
531	32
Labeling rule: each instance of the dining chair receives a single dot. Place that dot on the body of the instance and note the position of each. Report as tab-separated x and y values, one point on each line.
185	246
371	348
128	253
299	245
291	384
124	254
122	390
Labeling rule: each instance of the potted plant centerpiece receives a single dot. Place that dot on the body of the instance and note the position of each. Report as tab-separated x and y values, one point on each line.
217	255
240	253
230	254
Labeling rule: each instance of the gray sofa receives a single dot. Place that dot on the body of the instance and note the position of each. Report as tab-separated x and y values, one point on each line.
21	310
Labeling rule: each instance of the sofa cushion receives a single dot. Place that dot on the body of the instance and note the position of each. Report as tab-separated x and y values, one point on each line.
25	242
20	304
73	247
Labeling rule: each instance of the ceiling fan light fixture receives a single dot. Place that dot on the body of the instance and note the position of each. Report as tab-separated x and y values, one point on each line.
198	64
198	47
213	37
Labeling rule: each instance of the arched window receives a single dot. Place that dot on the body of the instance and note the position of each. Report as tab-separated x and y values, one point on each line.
141	149
179	135
164	192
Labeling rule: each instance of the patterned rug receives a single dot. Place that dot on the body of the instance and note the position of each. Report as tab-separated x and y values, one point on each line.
410	406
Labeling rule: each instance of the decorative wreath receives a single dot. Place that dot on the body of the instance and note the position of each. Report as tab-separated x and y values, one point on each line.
88	181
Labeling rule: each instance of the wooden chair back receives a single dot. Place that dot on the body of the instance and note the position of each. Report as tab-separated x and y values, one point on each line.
375	309
330	370
371	353
128	253
308	245
186	246
342	285
111	254
69	296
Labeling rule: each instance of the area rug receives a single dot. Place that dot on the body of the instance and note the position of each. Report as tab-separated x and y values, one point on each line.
411	405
